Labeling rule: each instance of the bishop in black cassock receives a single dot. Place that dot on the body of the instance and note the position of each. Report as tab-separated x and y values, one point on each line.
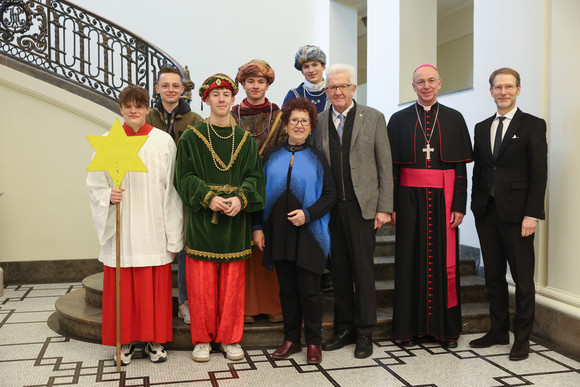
430	147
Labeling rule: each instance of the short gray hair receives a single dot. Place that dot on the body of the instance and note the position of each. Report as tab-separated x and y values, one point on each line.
341	68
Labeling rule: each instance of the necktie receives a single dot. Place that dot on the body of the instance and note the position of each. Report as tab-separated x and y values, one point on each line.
340	128
498	137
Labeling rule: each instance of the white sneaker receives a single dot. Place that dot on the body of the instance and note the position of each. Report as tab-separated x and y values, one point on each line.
156	352
183	312
232	351
127	352
201	352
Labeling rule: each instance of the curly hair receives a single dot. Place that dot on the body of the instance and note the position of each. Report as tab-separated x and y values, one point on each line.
302	104
135	94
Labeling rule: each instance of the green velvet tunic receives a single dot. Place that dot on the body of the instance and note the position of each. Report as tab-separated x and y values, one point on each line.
211	236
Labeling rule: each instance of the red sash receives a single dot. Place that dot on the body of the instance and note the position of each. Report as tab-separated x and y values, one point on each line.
438	178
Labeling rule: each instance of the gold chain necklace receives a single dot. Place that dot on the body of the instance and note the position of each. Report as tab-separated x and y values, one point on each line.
216	133
214	155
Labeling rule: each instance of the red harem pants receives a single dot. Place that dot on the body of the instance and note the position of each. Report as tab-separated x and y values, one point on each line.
215	293
146	305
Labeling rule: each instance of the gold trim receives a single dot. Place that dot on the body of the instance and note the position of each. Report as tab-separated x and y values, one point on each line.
215	156
225	256
205	201
227	189
244	199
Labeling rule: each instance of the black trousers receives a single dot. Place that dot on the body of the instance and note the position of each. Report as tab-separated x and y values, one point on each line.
502	243
352	268
301	298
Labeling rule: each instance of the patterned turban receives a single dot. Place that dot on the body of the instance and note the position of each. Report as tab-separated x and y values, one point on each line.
308	53
255	68
216	81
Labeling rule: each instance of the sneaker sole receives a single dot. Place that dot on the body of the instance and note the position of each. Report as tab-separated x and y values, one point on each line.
155	360
237	358
122	362
200	360
233	358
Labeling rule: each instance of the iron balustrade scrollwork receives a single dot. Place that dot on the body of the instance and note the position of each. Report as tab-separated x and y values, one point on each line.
80	46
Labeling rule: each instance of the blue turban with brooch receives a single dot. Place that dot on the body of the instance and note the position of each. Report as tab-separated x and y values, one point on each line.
309	53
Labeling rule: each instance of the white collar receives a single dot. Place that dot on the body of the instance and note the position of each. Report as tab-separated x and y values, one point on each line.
344	113
509	115
314	87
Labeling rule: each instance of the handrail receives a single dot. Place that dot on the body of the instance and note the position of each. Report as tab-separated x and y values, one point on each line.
79	46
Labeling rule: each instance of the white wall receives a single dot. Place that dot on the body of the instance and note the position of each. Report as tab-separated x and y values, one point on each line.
418	37
44	153
563	263
220	35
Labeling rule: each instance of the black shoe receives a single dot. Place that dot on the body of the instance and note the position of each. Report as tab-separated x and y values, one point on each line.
520	350
489	339
408	343
449	344
364	347
326	282
341	338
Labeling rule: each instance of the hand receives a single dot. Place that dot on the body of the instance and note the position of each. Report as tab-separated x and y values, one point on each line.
219	204
117	195
259	239
297	217
456	218
394	218
381	218
528	226
235	205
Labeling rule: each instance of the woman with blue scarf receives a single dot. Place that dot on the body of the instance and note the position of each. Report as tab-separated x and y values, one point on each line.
293	231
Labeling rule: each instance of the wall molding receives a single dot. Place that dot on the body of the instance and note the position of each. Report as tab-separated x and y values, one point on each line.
56	97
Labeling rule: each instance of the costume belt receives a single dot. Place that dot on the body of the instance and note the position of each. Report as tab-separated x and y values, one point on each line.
226	190
438	178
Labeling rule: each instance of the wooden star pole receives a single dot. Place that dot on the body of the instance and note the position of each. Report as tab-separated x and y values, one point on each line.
117	154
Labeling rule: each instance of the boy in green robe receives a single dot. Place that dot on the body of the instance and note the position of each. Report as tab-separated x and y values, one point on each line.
220	179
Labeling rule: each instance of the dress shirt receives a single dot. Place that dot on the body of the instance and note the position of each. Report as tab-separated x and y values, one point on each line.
335	114
506	123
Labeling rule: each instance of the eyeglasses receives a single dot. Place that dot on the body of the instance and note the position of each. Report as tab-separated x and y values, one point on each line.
167	86
296	121
430	82
508	88
333	89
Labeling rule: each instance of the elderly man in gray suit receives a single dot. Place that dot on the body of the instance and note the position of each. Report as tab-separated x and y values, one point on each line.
354	140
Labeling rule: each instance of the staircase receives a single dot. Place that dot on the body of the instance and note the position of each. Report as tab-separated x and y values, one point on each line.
78	314
66	45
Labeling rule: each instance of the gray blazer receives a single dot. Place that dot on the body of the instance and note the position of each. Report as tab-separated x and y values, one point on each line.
370	158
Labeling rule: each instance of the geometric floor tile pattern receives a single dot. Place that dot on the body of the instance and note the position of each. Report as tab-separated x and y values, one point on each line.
31	354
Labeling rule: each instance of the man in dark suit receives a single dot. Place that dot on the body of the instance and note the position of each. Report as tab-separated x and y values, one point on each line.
507	199
354	140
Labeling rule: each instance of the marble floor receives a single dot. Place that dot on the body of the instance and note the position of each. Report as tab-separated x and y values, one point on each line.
31	354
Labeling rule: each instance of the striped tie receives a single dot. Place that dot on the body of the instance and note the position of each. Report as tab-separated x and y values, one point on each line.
340	128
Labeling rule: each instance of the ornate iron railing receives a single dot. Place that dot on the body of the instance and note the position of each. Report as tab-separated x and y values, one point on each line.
79	46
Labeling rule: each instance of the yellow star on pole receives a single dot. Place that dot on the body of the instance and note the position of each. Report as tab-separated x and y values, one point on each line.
117	153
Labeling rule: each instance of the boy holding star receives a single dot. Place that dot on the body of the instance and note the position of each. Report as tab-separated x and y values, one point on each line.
151	231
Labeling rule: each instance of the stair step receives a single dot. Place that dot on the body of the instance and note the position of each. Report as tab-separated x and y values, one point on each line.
472	291
93	285
385	267
77	319
384	246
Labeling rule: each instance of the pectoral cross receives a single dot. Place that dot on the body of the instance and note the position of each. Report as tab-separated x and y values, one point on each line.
428	150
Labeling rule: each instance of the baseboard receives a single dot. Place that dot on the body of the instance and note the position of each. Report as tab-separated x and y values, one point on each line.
53	271
558	330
